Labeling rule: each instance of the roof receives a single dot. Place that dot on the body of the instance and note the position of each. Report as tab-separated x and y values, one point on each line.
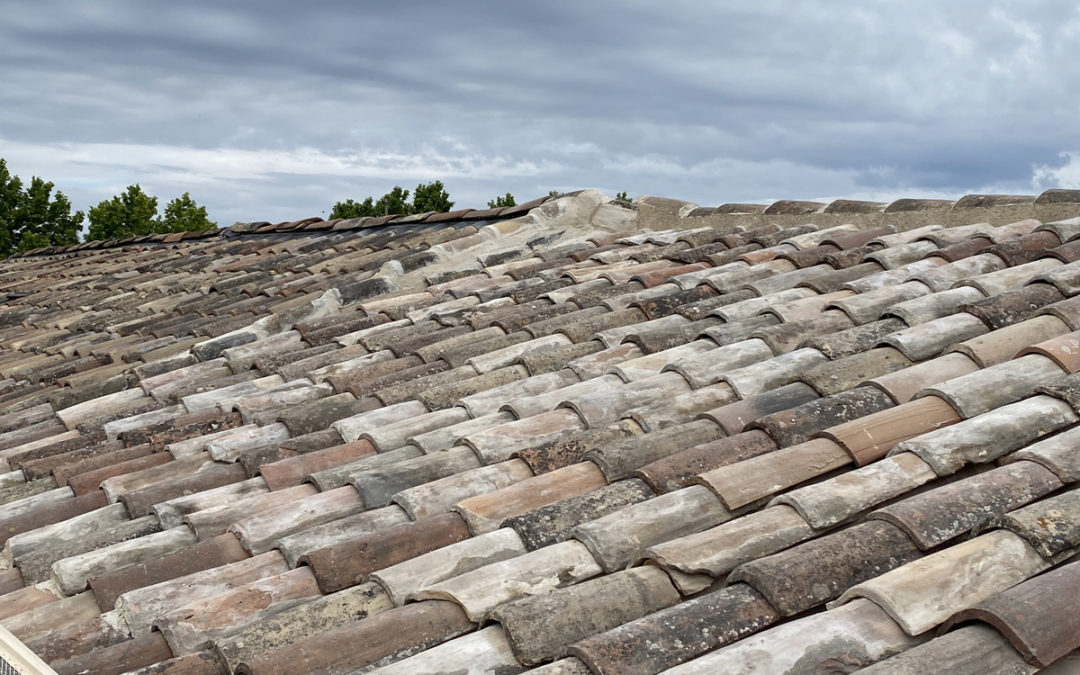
581	436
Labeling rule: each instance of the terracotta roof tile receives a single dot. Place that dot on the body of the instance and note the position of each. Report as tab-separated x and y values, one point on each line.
549	380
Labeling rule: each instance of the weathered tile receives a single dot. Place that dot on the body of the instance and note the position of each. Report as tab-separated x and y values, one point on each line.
1051	525
62	644
196	663
848	372
298	544
499	443
215	520
871	437
660	414
818	570
936	305
933	517
923	593
541	627
34	552
383	637
1009	278
142	606
1041	637
303	620
677	470
352	427
211	553
1055	453
677	634
986	437
260	531
927	340
1003	344
1012	307
72	573
123	656
903	384
403	579
485	652
944	277
749	480
718	550
771	373
621	537
971	650
377	481
441	495
707	367
855	635
485	512
801	423
345	564
482	590
190	626
993	387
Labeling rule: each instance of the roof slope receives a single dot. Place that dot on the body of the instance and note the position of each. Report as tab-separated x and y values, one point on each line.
576	438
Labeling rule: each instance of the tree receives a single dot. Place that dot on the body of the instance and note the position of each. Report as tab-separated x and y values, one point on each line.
10	196
131	214
554	193
499	202
353	209
622	197
431	197
32	216
44	219
394	202
184	215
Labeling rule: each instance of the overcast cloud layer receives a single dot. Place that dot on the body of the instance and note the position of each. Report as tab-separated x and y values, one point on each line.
276	109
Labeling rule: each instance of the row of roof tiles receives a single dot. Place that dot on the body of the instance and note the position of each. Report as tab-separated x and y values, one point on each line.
631	453
782	207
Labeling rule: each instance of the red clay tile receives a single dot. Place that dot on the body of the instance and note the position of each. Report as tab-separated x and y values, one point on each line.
1005	343
119	658
902	385
87	482
486	512
869	438
752	479
343	565
292	471
205	555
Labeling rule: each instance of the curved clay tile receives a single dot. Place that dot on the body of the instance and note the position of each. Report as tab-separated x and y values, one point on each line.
793	207
906	204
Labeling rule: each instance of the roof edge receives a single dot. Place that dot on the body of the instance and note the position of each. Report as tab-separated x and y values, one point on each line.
19	656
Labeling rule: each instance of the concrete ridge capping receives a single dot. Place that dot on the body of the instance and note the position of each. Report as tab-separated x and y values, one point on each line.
16	654
658	213
574	210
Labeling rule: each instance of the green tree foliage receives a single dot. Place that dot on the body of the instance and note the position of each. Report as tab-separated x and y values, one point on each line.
131	214
554	193
431	197
427	197
501	201
353	209
395	201
32	216
622	197
184	215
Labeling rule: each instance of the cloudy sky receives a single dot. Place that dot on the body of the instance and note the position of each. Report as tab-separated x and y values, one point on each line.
276	109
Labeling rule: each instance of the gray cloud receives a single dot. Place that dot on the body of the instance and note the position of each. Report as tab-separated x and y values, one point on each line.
277	109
